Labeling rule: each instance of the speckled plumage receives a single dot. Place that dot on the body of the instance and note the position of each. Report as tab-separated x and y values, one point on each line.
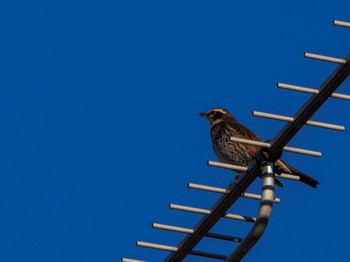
226	150
224	126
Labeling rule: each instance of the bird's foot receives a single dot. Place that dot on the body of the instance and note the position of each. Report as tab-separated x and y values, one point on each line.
228	189
236	179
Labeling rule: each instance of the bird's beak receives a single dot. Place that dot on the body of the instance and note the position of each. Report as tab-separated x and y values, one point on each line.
203	114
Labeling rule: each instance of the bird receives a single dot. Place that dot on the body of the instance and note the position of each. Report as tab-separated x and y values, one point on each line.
223	126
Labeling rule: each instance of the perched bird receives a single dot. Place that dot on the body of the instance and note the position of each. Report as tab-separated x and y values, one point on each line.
223	126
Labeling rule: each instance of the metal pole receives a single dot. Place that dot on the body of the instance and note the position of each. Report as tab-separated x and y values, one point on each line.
263	216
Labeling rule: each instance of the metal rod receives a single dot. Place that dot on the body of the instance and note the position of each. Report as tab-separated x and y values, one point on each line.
207	254
279	141
174	249
227	166
258	197
190	231
208	212
130	260
288	176
310	90
273	116
207	188
297	88
325	125
268	145
190	209
250	142
224	191
173	228
341	96
325	58
156	246
240	217
262	217
224	237
341	23
302	151
291	119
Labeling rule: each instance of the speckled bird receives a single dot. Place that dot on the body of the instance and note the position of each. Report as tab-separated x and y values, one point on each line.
223	126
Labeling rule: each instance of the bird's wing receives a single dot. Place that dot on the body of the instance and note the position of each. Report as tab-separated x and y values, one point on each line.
241	131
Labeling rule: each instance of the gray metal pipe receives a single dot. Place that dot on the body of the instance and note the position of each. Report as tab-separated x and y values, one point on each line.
262	218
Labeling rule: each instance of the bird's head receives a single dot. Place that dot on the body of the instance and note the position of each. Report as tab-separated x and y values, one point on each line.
216	115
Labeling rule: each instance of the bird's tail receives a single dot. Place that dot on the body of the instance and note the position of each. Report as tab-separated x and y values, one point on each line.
303	177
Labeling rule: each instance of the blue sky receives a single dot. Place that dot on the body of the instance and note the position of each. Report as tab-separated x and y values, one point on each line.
100	129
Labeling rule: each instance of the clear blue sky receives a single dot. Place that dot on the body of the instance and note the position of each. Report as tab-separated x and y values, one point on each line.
99	104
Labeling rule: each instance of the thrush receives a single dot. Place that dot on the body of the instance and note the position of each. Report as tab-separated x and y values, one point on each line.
223	126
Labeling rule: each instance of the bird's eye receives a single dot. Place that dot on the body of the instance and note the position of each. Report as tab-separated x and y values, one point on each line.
216	115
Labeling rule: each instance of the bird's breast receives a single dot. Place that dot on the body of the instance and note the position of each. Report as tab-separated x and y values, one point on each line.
226	150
